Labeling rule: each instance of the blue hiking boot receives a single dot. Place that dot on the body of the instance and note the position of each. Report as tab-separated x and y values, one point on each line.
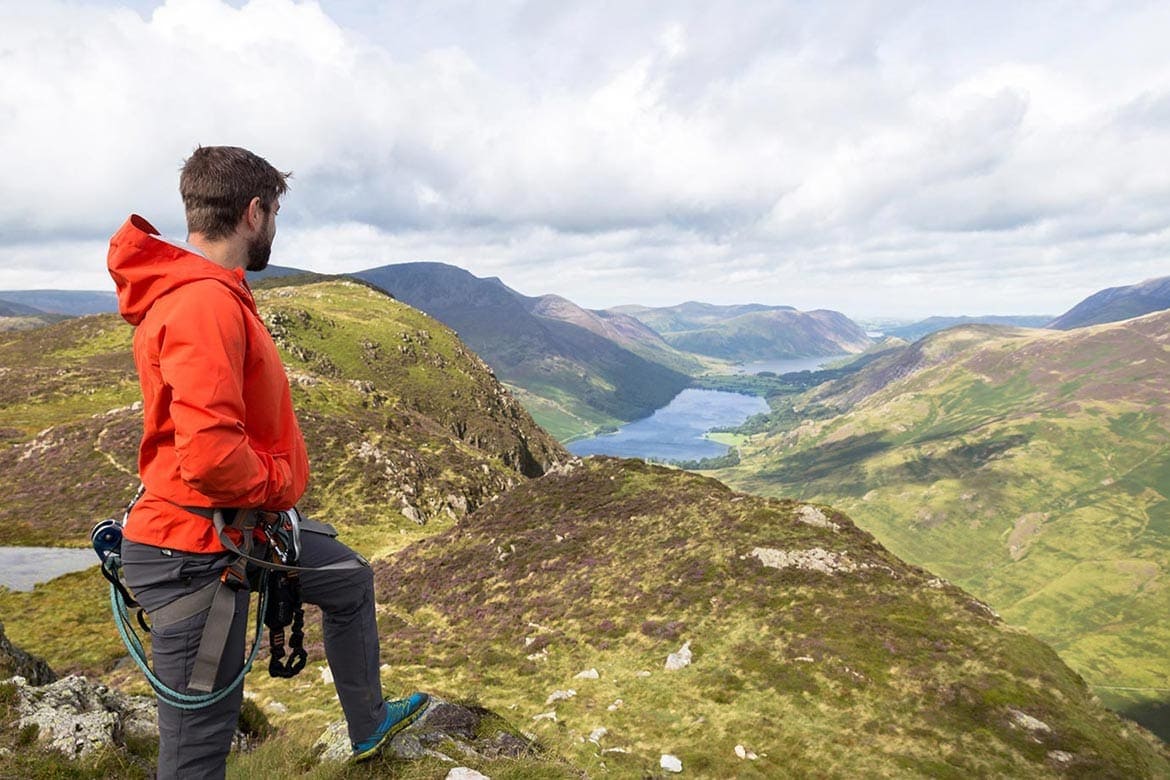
400	713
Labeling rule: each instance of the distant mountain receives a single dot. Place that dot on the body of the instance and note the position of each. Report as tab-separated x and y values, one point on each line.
1031	467
752	331
579	369
17	316
917	330
10	309
1117	303
626	611
71	302
76	303
692	315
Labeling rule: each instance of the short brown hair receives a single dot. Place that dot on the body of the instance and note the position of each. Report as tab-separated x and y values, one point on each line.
217	184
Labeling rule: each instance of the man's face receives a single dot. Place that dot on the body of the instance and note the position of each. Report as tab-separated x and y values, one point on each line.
260	246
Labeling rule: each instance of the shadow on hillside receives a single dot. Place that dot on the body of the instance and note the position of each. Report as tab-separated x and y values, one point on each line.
956	462
1153	715
840	460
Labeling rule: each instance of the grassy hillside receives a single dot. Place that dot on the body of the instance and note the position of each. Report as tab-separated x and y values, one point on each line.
865	668
1031	468
403	422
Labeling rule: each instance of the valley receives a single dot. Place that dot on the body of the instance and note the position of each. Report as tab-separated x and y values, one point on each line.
901	519
1029	467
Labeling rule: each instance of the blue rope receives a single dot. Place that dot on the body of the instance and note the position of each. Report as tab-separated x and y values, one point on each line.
182	701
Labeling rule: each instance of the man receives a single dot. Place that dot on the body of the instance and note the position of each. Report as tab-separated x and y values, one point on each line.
220	433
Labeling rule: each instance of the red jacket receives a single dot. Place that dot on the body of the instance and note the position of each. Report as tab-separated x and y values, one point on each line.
219	428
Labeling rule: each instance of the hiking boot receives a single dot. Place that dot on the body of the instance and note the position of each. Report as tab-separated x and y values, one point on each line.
400	713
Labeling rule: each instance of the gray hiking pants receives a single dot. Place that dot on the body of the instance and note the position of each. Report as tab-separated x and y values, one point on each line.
195	743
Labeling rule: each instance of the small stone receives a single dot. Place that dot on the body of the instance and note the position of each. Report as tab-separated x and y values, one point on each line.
597	733
465	773
670	763
546	716
642	673
679	660
1061	756
741	751
326	675
588	674
556	696
276	707
617	704
1024	720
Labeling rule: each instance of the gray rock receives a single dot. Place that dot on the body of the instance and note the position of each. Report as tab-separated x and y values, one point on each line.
76	717
679	660
465	773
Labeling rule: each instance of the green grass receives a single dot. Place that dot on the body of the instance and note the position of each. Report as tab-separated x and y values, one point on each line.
1032	470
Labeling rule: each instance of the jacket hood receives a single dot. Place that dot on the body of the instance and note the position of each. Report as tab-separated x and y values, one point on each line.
145	267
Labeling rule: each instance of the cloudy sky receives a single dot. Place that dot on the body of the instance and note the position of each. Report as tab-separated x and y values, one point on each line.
880	158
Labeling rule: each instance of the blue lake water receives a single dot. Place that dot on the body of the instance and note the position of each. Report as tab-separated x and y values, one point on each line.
675	432
23	567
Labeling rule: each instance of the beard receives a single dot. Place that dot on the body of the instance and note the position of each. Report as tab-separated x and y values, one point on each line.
259	251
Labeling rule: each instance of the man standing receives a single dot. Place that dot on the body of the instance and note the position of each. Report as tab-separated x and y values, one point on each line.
220	434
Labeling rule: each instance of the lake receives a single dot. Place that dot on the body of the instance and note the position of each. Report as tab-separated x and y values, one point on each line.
23	567
675	432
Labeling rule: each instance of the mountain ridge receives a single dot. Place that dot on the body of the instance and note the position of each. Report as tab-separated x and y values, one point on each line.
752	331
1117	303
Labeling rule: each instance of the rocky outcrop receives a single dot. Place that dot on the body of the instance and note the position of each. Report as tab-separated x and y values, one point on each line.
447	731
15	662
76	717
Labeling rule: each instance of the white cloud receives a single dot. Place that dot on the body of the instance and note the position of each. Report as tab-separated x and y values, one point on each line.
916	157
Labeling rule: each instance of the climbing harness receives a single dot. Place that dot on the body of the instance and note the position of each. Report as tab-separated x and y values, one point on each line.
278	584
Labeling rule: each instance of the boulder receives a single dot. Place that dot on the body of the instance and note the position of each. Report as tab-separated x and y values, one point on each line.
76	717
445	728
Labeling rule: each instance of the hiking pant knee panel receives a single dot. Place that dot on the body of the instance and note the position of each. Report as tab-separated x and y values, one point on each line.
192	743
346	599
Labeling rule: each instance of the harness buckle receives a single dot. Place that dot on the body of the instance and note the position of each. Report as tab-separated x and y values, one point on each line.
234	579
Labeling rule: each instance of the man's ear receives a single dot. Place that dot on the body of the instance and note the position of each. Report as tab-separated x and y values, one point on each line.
255	215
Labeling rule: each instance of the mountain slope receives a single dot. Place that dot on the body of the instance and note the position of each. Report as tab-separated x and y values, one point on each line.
582	378
752	331
402	421
811	646
1030	467
1117	303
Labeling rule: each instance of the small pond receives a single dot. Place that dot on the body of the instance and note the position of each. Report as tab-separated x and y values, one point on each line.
23	567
